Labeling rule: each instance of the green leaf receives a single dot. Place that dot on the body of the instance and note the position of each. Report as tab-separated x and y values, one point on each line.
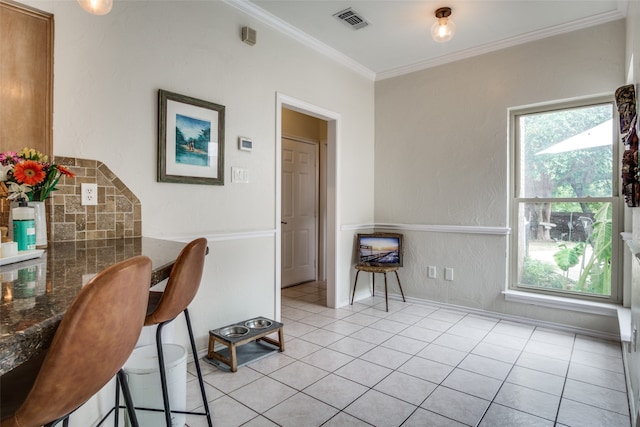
567	257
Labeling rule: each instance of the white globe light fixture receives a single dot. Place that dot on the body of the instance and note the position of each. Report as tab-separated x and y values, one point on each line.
444	28
96	7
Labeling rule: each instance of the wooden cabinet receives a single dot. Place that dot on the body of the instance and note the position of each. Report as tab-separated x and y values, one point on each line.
26	78
26	81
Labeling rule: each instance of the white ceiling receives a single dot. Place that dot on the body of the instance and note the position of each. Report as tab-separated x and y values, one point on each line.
398	39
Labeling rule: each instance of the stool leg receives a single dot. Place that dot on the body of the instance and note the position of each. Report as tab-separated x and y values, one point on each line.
198	371
400	286
116	415
373	283
354	287
386	296
122	378
163	375
65	422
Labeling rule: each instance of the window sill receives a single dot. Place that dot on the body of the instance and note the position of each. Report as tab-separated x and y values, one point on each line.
624	323
604	309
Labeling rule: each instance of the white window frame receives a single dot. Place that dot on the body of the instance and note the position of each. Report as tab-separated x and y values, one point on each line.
515	200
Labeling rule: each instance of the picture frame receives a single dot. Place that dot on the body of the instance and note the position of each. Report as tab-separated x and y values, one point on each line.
380	249
190	140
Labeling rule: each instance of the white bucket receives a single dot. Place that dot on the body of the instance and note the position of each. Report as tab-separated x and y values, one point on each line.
144	382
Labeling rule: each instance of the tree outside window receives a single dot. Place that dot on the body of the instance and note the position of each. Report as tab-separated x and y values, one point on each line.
565	206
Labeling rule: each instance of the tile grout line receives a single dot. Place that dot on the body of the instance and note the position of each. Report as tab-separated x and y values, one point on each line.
365	307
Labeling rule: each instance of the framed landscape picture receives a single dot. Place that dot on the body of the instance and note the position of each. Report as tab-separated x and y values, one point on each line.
190	140
380	249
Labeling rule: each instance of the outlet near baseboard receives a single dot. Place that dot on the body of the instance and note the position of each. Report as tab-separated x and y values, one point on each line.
431	272
448	274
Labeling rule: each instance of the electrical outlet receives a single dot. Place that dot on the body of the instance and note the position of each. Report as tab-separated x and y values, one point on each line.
448	274
89	193
431	272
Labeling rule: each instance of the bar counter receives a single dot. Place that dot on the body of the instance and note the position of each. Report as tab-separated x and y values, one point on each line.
36	293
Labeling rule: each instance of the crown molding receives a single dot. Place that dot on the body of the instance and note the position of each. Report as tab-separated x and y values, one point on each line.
302	37
579	24
278	24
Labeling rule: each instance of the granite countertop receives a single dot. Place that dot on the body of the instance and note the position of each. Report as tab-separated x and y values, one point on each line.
36	293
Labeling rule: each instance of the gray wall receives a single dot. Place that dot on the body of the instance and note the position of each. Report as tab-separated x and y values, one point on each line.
442	155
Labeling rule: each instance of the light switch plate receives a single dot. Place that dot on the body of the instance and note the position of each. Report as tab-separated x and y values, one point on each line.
239	175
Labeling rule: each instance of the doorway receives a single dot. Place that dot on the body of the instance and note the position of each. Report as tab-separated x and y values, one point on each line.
328	259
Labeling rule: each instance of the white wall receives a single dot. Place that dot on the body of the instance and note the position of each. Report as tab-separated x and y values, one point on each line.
442	155
108	70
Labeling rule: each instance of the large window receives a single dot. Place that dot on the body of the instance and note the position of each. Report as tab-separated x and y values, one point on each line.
565	207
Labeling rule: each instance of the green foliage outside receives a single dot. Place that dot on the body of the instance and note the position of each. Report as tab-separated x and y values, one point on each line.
596	274
568	257
542	274
595	271
576	174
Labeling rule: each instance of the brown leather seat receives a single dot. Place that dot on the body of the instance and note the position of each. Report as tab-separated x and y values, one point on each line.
94	339
164	307
182	285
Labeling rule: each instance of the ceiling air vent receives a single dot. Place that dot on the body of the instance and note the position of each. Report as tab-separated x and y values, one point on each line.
351	18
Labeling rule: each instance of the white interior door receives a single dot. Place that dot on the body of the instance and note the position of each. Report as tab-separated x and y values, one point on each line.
299	211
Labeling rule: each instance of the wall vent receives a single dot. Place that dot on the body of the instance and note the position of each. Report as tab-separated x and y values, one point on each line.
351	18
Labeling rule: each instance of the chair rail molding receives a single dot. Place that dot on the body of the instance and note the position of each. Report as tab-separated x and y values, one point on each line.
458	229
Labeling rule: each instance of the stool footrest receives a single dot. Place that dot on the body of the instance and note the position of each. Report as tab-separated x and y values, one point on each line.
173	411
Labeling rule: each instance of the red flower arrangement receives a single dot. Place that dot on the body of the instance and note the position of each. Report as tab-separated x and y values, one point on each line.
28	175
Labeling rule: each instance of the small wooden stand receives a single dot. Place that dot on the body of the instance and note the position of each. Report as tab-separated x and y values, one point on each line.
373	270
233	342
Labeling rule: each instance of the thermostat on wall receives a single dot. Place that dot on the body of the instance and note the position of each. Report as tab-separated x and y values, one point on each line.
245	143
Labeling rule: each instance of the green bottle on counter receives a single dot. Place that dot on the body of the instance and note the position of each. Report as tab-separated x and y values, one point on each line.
24	227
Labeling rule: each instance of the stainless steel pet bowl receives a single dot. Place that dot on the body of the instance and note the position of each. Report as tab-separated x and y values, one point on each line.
233	331
258	323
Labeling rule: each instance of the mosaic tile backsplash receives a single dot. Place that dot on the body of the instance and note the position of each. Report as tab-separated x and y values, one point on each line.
117	214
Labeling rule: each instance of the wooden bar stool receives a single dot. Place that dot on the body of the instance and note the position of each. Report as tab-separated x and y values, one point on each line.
164	307
378	269
96	336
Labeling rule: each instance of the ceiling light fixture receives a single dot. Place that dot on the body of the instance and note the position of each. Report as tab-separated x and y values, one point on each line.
444	28
96	7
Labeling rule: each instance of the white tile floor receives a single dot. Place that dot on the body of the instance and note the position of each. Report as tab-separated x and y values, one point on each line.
417	365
